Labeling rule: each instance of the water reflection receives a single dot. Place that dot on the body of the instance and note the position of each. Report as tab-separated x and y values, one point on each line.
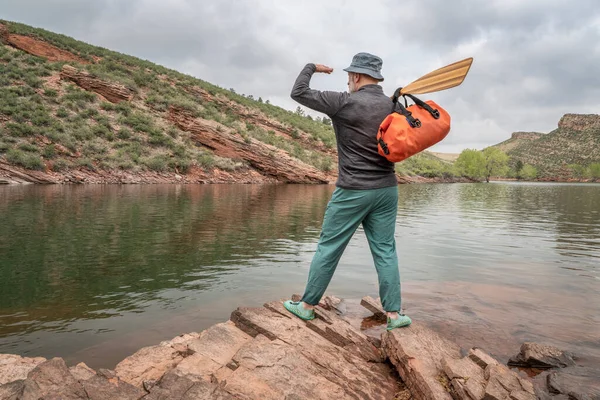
94	252
93	273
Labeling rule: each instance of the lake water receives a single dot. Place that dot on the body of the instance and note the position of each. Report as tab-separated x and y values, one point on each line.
93	273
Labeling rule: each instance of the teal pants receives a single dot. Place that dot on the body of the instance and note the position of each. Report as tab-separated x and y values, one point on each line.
376	210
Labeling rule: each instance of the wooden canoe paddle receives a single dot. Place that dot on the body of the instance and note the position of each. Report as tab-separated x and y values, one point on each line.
441	79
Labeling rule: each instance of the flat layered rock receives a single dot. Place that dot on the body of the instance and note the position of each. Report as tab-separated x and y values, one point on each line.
373	305
479	376
111	91
418	353
343	368
151	363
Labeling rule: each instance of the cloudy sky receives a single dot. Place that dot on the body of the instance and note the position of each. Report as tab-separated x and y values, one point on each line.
535	60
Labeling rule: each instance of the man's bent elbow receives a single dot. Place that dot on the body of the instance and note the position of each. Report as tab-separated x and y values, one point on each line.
296	94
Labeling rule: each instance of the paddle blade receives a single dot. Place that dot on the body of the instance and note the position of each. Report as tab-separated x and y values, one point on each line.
441	79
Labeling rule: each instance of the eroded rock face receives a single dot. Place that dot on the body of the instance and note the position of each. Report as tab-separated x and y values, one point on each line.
534	355
579	122
37	47
111	91
265	158
3	34
526	135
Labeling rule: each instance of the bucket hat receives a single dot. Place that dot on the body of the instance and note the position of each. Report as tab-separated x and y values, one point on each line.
368	64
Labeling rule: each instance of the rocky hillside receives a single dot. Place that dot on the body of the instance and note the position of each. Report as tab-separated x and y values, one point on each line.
72	112
574	145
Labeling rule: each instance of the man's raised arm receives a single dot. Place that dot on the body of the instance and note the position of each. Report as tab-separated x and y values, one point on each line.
327	102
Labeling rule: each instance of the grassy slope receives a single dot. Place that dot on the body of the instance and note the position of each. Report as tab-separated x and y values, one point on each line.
61	126
552	153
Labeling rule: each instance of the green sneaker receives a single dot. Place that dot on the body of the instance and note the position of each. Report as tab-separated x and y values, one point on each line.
402	320
295	307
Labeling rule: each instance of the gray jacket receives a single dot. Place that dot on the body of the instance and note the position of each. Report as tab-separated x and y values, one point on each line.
356	118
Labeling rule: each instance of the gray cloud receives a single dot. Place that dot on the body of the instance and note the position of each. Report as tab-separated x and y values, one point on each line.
535	60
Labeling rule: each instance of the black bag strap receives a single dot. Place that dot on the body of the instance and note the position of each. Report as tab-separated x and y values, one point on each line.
434	113
414	122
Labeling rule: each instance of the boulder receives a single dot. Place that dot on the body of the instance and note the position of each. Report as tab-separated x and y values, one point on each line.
540	356
175	387
151	363
82	372
102	388
13	367
579	383
52	376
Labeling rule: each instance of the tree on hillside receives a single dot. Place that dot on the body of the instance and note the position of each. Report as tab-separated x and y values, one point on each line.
518	167
260	100
496	162
326	121
471	163
529	172
300	111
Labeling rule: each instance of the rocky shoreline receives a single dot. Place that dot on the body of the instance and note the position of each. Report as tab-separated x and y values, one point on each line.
266	353
11	174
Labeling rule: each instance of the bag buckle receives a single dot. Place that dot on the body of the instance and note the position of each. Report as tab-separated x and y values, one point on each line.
384	147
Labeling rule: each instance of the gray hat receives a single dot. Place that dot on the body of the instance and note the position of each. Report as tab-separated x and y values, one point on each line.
365	63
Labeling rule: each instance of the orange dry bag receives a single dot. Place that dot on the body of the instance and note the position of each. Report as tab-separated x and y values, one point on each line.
411	130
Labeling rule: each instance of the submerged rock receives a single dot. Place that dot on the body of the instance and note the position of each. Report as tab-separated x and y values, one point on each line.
579	383
540	356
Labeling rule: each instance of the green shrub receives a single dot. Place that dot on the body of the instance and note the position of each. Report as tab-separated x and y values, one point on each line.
86	162
106	106
594	170
24	159
157	162
206	160
79	96
94	148
62	113
124	133
20	129
123	107
63	139
29	147
60	164
33	81
88	113
49	151
181	164
157	138
50	93
138	122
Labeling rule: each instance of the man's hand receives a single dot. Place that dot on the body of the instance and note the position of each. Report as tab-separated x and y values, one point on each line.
323	68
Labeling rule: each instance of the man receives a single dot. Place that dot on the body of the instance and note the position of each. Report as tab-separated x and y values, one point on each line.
366	190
